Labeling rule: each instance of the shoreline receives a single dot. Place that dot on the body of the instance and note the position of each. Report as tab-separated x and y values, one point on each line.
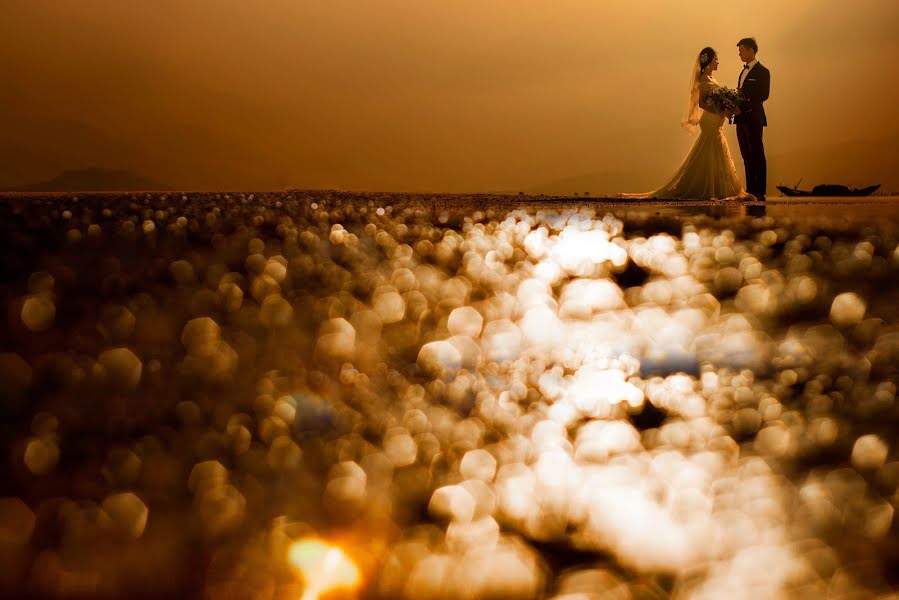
460	199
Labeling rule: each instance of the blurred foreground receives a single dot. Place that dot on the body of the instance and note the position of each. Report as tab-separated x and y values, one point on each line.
326	395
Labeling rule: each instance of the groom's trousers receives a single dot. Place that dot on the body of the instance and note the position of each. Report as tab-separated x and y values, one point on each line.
749	135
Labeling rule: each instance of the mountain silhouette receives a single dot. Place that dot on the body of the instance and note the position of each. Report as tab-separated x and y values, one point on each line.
94	179
858	163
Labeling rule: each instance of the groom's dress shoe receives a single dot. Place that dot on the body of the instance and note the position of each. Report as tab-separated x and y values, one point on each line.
760	197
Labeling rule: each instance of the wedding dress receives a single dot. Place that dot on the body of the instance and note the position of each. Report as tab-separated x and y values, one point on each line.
708	171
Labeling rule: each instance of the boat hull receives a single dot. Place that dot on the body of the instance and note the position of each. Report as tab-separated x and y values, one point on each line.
825	191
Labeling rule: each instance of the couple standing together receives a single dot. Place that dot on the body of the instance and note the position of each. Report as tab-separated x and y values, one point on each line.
708	171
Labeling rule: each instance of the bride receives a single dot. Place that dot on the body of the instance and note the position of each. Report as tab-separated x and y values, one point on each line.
708	171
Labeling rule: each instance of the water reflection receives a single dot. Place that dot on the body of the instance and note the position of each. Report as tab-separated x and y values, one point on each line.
348	395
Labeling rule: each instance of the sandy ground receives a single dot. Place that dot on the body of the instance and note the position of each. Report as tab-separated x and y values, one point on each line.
833	206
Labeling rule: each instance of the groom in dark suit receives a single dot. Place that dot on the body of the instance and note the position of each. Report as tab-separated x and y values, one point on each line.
755	84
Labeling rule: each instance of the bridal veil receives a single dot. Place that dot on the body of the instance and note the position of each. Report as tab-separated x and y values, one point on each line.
691	117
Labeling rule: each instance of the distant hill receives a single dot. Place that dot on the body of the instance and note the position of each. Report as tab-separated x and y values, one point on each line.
856	163
599	183
94	179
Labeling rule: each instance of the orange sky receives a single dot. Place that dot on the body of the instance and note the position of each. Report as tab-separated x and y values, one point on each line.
471	95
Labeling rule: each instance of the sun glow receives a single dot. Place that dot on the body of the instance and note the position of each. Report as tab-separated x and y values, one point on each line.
325	568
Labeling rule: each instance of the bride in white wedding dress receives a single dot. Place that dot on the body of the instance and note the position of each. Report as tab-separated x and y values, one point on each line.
708	171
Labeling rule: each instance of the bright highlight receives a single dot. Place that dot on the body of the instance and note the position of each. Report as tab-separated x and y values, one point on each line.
325	568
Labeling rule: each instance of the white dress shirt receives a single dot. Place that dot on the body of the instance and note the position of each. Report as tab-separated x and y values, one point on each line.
746	71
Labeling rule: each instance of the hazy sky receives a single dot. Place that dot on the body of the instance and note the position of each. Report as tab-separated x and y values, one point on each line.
469	95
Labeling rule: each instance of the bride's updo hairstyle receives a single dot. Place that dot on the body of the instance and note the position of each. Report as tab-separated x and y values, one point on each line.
706	56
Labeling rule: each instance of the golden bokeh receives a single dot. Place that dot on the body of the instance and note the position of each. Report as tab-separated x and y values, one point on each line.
333	395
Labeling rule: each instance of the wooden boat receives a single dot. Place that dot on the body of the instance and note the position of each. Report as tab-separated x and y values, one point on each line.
829	190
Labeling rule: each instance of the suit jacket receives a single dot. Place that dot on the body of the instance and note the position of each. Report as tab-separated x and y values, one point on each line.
756	86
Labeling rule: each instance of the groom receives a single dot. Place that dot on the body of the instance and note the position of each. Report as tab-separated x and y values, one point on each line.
755	83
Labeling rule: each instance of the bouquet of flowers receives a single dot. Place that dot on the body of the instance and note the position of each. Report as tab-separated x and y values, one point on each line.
723	100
